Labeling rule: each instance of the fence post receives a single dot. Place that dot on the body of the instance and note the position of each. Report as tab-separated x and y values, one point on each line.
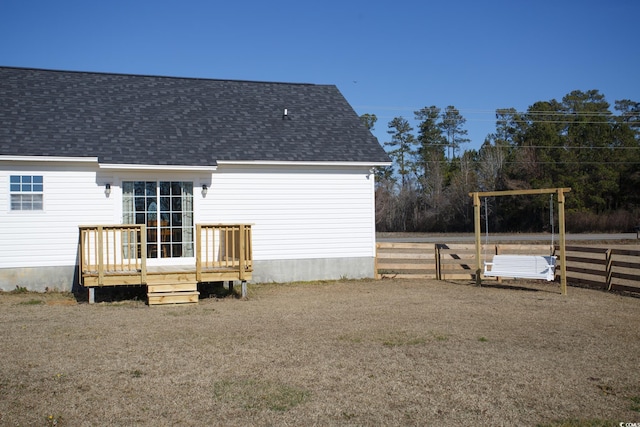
608	267
376	274
497	251
438	265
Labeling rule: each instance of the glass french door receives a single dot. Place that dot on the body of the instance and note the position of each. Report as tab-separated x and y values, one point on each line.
166	208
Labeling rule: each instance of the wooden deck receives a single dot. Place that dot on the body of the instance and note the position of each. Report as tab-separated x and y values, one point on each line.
111	255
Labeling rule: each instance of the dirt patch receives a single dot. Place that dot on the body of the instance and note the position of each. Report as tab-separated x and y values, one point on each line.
389	352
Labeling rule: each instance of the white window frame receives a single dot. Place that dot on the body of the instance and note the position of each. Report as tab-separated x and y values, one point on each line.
26	193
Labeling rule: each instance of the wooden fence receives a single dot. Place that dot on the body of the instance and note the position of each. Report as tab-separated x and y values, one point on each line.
616	269
603	268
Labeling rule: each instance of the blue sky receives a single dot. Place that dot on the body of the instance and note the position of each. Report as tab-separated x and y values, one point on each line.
388	58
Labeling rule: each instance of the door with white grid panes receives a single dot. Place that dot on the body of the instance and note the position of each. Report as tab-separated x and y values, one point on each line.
166	208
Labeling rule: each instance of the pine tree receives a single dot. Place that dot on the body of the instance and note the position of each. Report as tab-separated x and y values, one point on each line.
402	142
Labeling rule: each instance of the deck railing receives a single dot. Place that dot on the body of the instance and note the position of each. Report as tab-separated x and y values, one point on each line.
222	247
113	249
116	254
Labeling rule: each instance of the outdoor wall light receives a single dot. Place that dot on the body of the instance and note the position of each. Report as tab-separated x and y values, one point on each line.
107	189
204	190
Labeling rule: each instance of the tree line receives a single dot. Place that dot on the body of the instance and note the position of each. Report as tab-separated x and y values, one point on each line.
577	142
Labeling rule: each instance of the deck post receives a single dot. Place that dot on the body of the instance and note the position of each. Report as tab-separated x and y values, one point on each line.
143	254
198	252
241	255
100	242
244	289
92	295
81	256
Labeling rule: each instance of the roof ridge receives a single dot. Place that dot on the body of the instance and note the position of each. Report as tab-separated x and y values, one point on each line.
106	73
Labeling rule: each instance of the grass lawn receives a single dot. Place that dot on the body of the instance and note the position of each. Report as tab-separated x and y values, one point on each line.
388	352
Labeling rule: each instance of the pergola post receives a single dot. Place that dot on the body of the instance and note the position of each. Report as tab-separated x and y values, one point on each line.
563	252
476	221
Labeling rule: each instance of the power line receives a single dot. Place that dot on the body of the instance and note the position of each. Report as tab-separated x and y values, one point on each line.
574	163
562	147
541	163
566	147
532	121
522	114
490	111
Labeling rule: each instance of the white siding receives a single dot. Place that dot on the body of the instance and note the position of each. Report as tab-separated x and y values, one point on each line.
50	237
297	213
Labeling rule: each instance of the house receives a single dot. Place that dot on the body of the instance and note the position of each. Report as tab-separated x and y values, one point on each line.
83	152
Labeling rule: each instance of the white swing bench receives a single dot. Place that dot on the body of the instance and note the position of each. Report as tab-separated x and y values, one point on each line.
521	267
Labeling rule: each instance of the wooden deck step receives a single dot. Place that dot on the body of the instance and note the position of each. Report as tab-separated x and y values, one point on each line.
176	287
178	293
173	298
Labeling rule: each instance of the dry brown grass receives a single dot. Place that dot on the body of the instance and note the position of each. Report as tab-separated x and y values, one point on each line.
336	353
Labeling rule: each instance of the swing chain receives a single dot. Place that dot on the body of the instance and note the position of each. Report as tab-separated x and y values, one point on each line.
553	230
486	228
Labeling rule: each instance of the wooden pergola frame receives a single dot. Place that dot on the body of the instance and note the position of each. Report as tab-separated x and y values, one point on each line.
476	214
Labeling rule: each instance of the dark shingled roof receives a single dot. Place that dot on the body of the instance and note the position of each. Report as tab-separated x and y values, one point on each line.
132	119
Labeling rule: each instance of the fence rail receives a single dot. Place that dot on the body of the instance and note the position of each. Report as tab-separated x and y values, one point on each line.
599	267
604	268
406	260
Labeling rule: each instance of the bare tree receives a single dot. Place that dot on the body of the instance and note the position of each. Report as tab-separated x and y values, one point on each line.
490	164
